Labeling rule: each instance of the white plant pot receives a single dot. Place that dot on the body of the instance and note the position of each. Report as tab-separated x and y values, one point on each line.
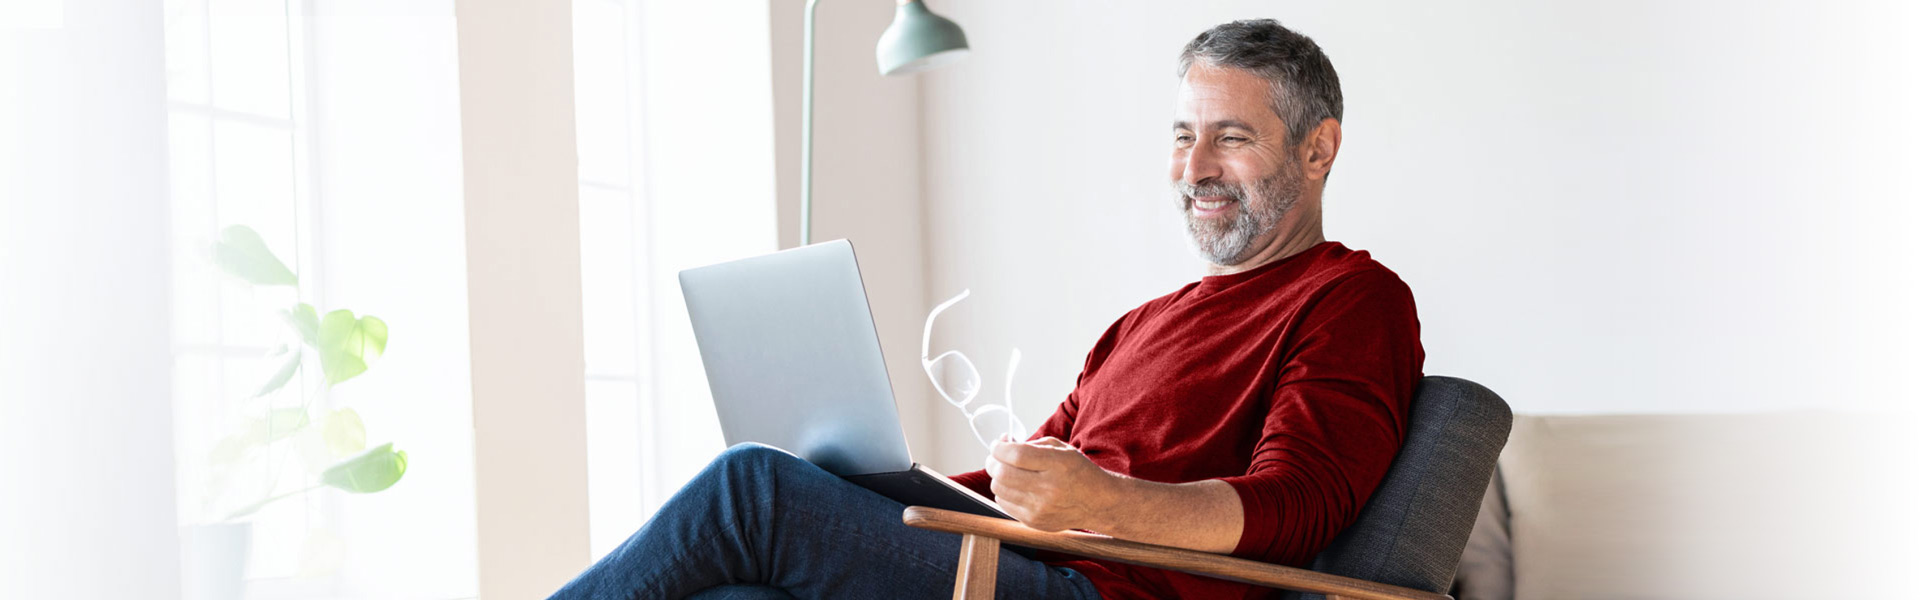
215	560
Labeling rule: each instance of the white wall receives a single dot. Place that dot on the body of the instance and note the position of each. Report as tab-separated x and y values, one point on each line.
1618	207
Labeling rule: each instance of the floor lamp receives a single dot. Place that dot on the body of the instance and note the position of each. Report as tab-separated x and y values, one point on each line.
916	41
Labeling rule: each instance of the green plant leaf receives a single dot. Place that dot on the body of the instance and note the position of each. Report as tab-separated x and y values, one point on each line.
347	344
344	432
305	321
282	423
241	253
281	377
232	448
367	472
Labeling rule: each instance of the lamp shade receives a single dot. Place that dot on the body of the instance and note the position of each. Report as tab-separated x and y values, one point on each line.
918	40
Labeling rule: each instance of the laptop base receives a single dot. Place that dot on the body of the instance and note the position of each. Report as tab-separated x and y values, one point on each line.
920	486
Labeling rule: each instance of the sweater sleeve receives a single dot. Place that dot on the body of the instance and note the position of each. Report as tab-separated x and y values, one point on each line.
1060	424
1337	418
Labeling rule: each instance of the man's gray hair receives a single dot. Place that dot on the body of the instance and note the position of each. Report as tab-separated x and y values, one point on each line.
1305	90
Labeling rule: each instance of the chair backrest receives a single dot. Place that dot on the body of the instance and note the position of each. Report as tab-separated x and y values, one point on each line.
1412	530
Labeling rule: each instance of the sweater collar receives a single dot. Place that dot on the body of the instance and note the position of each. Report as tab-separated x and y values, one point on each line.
1214	283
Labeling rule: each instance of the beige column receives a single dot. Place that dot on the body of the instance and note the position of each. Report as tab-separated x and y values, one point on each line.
523	279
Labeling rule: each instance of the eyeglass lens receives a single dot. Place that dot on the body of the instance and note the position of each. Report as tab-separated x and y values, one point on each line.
955	378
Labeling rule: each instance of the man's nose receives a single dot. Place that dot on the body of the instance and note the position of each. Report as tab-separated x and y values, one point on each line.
1201	164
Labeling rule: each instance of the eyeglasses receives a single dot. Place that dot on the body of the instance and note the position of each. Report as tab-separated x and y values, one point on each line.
955	377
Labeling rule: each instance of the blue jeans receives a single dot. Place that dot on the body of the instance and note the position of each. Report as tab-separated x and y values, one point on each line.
761	523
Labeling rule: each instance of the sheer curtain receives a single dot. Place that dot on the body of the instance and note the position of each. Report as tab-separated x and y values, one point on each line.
86	478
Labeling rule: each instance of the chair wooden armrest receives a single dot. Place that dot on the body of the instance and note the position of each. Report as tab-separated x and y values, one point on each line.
980	554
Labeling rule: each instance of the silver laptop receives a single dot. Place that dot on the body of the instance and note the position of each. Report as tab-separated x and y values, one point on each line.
794	362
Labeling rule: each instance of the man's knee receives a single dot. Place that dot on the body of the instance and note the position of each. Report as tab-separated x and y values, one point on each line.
757	458
756	473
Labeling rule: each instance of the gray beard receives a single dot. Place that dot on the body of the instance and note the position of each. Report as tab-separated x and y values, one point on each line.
1256	212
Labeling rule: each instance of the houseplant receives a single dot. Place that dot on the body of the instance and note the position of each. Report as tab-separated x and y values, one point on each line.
254	464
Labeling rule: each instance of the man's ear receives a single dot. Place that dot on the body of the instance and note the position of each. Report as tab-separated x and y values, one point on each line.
1320	148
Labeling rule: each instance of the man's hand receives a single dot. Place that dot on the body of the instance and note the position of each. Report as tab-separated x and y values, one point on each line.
1050	486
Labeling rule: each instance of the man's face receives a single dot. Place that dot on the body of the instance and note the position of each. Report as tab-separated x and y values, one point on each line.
1233	175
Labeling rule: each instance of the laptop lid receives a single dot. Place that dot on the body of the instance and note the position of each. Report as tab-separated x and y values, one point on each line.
793	359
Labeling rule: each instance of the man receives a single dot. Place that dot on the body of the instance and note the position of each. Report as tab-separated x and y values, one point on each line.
1252	412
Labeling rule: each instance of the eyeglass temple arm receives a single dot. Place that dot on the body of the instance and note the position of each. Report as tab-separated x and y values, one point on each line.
1013	364
926	336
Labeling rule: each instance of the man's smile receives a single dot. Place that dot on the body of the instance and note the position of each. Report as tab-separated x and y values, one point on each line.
1206	206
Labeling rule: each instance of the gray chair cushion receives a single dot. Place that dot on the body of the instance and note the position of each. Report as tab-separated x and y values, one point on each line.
1412	530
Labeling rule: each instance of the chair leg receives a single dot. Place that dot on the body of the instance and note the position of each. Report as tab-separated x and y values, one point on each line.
979	564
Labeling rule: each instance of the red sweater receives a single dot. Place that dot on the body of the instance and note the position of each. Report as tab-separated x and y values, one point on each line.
1290	382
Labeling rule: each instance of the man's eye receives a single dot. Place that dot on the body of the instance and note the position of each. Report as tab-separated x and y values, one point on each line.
1234	139
1183	138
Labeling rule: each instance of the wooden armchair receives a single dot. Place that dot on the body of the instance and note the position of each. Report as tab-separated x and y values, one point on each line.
1404	545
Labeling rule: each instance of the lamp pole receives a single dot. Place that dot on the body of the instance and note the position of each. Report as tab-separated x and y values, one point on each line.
806	130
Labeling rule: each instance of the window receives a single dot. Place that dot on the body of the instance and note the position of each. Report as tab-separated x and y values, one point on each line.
622	485
645	216
331	132
235	157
